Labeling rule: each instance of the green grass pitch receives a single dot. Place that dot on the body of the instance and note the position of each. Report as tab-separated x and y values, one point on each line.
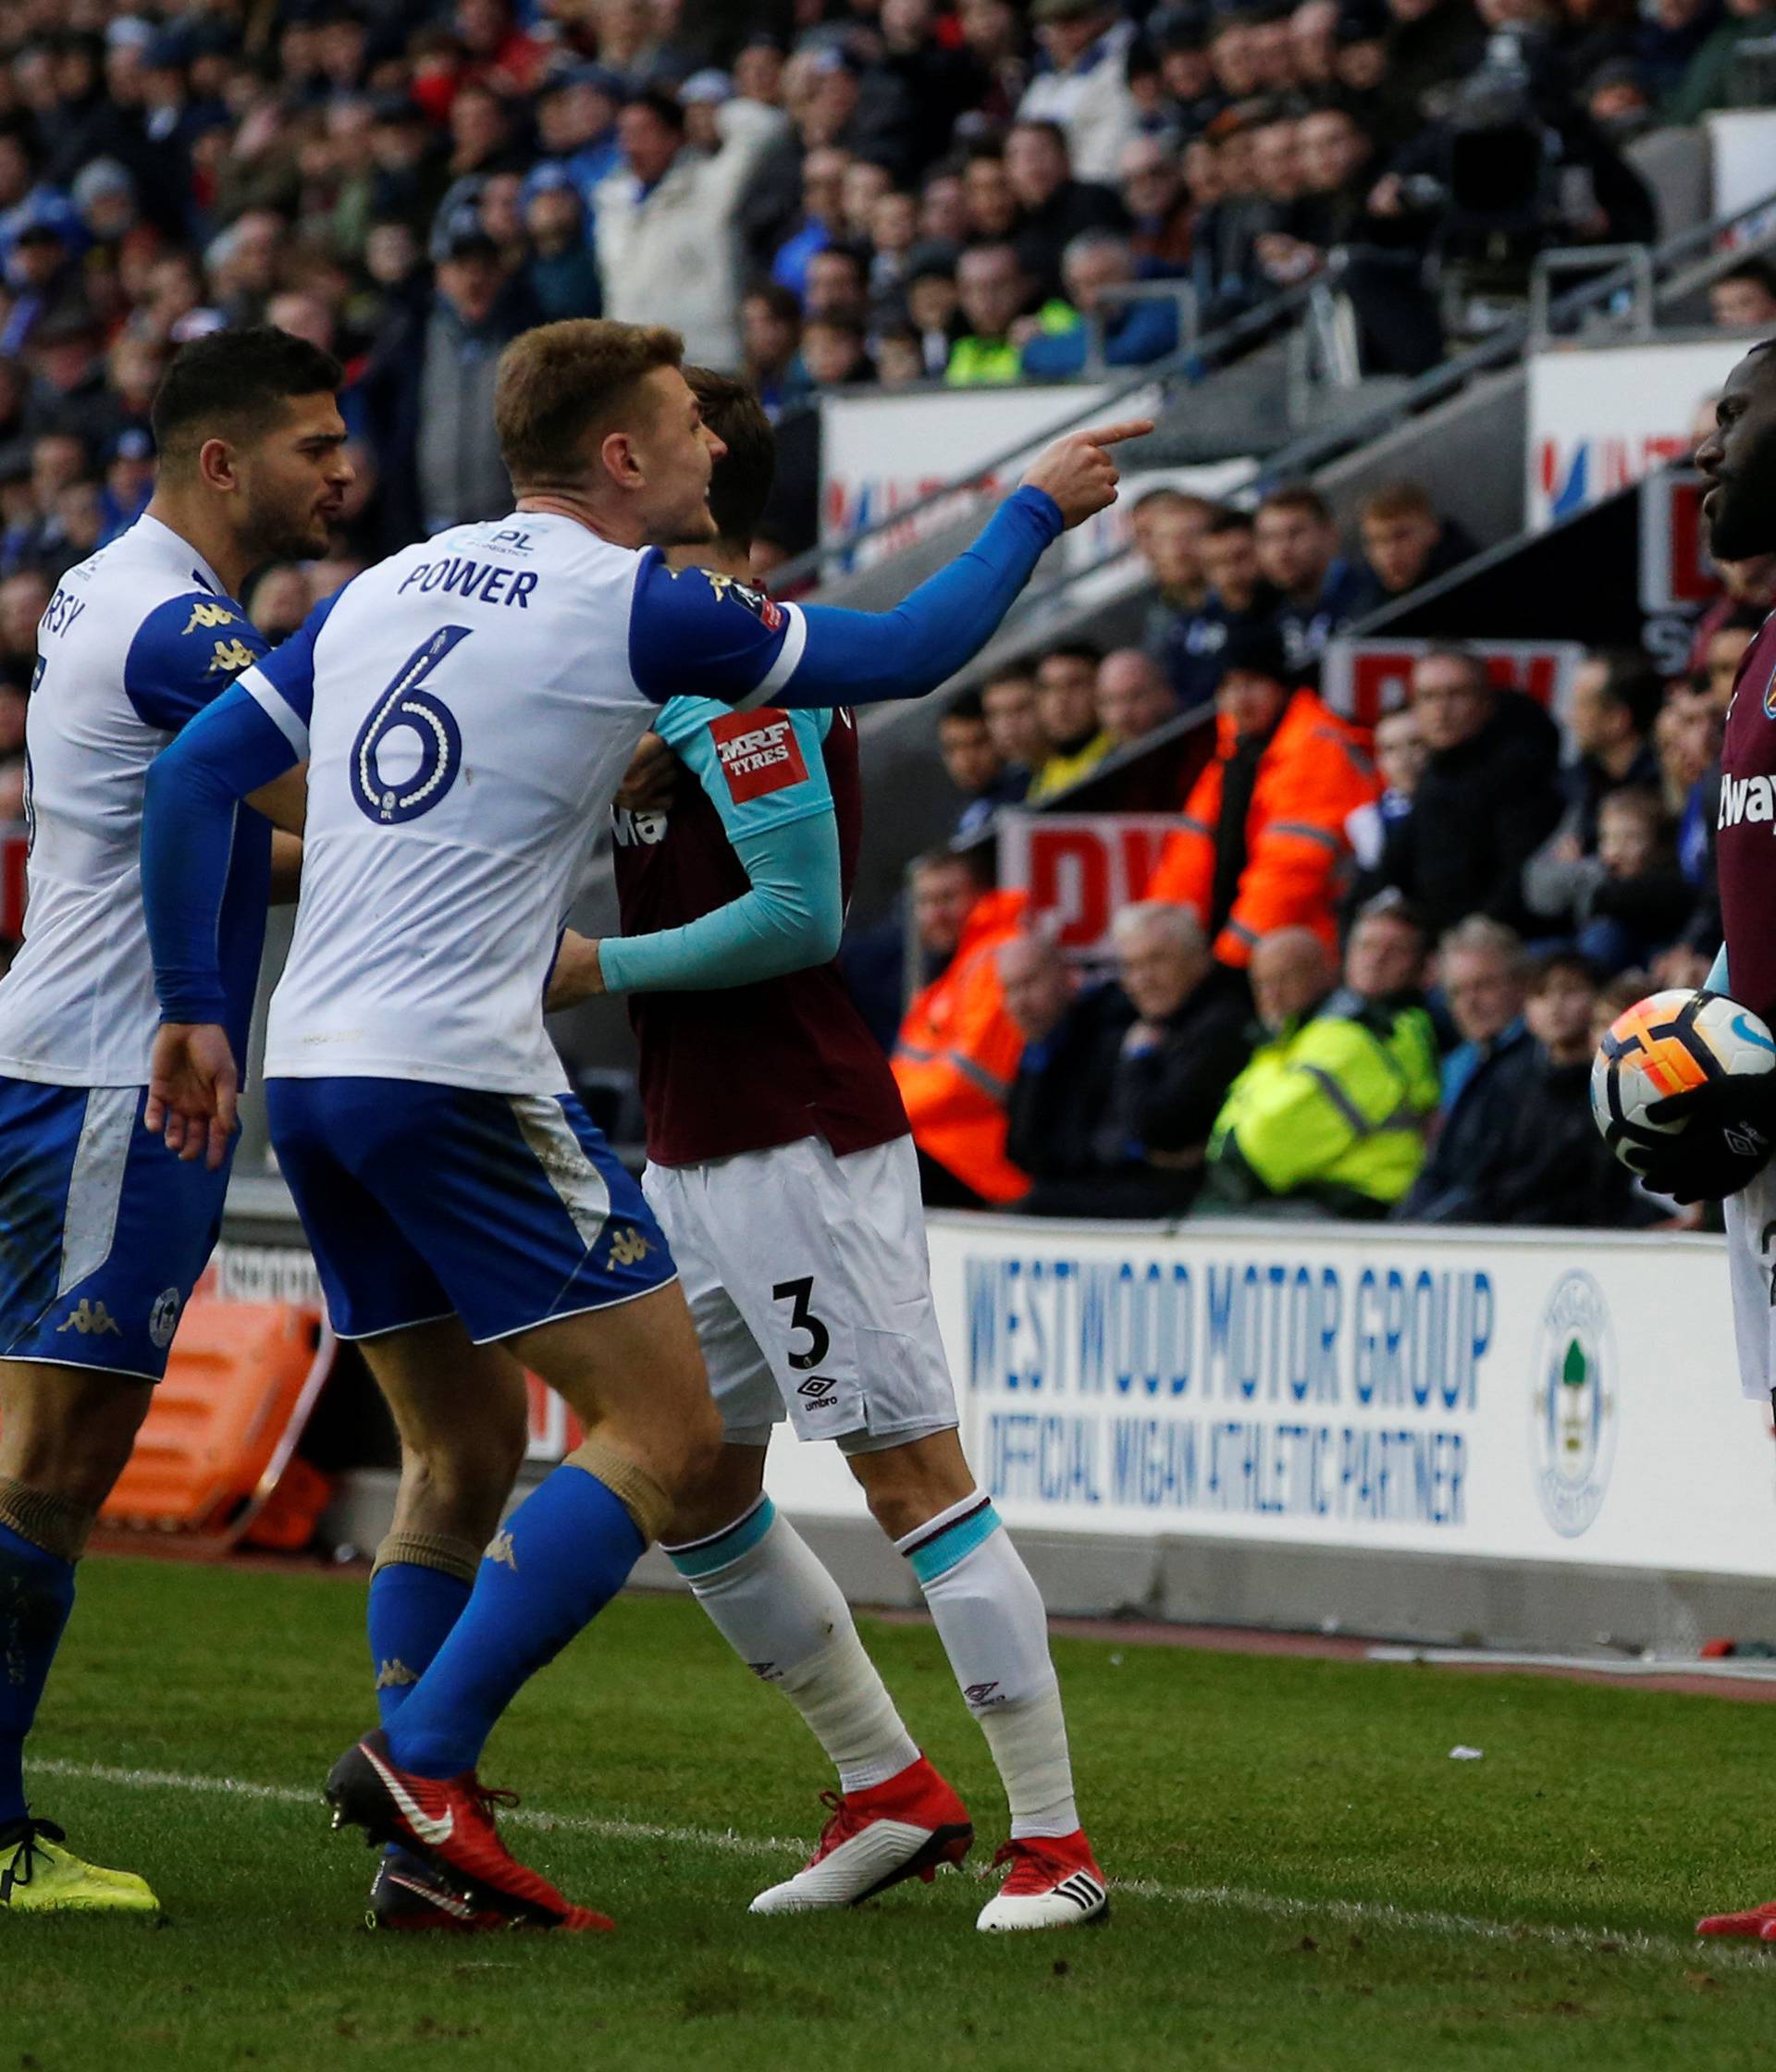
1305	1878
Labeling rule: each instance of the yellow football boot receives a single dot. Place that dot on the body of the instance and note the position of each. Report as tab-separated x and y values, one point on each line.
39	1876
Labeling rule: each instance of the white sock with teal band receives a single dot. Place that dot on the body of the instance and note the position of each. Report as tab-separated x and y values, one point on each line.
989	1615
784	1615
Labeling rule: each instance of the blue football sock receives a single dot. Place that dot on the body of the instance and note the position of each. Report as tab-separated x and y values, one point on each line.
564	1554
410	1610
36	1596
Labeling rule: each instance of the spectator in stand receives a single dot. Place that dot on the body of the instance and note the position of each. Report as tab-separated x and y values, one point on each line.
1066	709
1053	207
1239	602
1131	1079
1405	543
1298	555
278	600
1745	298
1639	902
1008	703
1158	207
1689	736
1400	763
995	291
669	248
770	323
1134	699
1748	586
1081	86
838	284
1707	81
1168	526
1328	1118
958	1051
561	273
1483	976
821	188
972	764
24	598
1486	801
835	353
1096	265
1616	702
1263	844
1724	648
475	313
1066	1071
1540	1158
932	307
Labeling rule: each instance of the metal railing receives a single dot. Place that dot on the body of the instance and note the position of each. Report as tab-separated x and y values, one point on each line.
1695	250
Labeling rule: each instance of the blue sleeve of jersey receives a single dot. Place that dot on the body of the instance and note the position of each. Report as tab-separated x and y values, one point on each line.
185	651
192	796
738	646
789	920
282	682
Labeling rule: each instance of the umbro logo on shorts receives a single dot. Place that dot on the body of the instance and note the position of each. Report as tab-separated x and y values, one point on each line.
816	1386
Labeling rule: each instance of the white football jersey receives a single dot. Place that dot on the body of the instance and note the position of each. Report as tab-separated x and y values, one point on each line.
135	640
467	708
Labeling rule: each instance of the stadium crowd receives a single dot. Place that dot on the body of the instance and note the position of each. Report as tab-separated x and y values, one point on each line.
1368	972
820	192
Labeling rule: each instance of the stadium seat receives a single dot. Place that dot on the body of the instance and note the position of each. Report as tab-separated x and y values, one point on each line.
223	1429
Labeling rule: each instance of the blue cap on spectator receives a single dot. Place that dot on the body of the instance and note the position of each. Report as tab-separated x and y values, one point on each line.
551	178
601	78
135	442
711	84
103	177
130	32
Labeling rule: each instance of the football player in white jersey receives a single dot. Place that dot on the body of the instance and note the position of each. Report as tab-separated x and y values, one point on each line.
466	709
101	1234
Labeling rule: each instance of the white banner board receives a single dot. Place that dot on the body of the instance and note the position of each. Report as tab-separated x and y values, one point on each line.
1600	418
1545	1396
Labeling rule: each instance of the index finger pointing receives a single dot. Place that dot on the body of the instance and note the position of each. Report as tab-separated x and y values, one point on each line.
1113	434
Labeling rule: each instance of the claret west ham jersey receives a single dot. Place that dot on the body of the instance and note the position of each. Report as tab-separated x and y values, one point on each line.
749	1066
1745	828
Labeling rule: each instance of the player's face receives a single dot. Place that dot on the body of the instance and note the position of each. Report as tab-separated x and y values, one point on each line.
1739	460
676	451
294	479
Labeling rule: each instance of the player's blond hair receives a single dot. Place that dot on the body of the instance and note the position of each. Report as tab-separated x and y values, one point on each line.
562	387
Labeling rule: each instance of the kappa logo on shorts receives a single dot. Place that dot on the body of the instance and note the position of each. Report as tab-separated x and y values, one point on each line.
759	752
91	1320
394	1675
629	1248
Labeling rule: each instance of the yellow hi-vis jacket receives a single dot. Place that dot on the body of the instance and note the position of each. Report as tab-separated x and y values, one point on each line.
1333	1109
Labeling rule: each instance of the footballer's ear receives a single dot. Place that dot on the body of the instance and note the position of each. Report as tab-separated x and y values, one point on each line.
620	461
218	467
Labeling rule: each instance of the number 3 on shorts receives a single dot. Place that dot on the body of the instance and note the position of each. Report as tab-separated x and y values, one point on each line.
802	1318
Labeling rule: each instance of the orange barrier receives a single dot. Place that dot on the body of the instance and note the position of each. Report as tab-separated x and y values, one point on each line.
224	1426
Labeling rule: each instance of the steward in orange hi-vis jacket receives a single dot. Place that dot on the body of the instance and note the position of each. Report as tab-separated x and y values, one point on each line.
957	1056
1263	843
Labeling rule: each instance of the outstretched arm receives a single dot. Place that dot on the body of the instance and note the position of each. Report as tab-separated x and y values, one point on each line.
692	626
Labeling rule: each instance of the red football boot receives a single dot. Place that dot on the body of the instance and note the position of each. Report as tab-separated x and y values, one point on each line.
1054	1882
448	1823
1751	1924
904	1828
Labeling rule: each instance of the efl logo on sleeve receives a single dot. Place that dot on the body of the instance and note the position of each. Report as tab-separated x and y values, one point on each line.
759	752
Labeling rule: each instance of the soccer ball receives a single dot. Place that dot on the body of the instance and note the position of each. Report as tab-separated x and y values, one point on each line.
1666	1044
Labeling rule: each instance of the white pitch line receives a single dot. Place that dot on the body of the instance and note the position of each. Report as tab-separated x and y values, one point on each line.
1354	1913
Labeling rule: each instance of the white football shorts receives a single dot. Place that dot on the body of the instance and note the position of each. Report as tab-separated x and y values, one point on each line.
1751	1261
809	1284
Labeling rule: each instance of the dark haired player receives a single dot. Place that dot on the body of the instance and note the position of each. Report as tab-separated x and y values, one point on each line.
1722	1154
784	1178
101	1234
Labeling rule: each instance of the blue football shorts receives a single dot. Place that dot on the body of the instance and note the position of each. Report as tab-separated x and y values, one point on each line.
102	1231
423	1202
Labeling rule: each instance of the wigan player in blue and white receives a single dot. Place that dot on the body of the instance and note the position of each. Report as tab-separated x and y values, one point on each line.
102	1233
466	709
